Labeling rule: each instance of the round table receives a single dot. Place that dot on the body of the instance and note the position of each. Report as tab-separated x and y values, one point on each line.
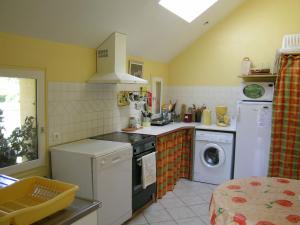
256	201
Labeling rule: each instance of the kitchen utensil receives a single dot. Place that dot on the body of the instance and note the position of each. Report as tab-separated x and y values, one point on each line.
199	113
194	113
182	112
132	122
221	115
206	117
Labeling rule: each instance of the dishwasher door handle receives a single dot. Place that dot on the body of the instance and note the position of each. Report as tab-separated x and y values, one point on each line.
115	160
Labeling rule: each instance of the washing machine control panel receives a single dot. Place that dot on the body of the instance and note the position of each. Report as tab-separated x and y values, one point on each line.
214	137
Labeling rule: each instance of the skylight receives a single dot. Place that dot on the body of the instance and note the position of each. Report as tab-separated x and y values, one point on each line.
187	9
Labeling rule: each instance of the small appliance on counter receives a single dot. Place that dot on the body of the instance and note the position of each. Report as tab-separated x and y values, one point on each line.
223	119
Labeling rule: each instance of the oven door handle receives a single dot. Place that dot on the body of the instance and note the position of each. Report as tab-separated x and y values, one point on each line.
140	159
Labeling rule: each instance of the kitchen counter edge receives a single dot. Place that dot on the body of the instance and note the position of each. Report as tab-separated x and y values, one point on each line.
161	130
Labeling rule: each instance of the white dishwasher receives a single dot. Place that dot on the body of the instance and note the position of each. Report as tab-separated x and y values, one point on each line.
102	170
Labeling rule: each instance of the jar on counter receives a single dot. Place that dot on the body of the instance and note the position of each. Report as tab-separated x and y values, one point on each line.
132	122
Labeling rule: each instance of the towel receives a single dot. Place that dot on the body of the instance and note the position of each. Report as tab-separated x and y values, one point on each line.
148	169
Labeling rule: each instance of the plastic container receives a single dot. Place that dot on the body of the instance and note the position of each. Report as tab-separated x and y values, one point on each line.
206	117
291	44
33	199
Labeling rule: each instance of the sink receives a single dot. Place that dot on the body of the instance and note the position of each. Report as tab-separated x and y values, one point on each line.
160	122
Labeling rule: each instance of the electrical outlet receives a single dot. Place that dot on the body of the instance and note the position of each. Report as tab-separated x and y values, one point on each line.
56	137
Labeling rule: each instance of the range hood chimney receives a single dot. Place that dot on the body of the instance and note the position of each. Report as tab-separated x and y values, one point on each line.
111	62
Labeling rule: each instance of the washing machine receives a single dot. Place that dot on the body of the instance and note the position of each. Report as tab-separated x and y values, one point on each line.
213	156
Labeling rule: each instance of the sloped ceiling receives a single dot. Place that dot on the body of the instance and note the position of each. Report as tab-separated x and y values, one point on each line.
153	32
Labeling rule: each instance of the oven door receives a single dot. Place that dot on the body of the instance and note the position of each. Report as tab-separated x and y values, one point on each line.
137	171
140	196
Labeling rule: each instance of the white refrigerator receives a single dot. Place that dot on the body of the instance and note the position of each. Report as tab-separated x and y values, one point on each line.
253	139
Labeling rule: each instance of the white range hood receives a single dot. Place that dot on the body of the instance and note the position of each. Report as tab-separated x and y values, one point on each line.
111	62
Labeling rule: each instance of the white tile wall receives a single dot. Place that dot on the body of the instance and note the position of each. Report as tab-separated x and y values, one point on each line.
211	96
81	110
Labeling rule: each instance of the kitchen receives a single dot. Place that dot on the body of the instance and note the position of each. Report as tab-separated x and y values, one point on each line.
195	67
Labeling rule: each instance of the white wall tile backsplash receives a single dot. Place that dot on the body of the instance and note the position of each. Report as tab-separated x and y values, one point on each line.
81	110
211	96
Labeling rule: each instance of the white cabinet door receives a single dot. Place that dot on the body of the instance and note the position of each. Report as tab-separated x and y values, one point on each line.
90	219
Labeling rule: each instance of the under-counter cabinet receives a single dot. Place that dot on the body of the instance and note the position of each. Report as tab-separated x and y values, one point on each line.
174	158
90	219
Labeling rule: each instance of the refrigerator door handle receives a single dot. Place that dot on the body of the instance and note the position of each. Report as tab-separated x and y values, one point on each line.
238	113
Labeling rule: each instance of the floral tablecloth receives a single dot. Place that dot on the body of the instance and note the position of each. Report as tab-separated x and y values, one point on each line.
256	201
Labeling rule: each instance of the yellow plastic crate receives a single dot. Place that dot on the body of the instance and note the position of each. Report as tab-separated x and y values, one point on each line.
33	199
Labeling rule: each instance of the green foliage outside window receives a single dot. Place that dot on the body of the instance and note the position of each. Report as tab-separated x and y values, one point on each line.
21	143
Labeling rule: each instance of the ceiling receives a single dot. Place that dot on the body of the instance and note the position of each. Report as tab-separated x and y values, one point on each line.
153	32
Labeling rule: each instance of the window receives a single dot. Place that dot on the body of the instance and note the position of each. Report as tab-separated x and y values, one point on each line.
22	138
187	9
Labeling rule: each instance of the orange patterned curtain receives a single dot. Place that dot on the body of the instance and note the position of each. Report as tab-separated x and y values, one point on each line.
285	148
174	159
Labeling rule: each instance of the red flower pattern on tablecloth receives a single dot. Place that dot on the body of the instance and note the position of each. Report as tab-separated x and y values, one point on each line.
289	193
255	183
283	181
293	218
239	199
234	187
264	223
283	202
213	218
240	219
282	190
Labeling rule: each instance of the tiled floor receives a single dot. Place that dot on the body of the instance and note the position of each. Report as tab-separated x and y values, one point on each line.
186	205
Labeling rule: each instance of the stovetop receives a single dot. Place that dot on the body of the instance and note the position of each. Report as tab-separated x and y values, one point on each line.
124	137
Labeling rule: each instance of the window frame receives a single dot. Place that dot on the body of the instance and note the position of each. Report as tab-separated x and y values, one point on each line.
39	75
155	80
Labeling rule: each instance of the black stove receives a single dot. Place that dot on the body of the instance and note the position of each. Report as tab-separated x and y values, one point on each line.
134	139
142	145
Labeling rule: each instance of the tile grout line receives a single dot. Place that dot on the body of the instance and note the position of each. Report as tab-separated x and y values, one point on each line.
178	198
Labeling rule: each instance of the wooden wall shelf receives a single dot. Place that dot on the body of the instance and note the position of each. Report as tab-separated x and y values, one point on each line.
258	76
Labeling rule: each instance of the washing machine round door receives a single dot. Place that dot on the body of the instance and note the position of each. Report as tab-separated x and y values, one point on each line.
213	155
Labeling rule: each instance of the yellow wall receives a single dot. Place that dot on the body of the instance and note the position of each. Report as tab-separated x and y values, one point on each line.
255	30
61	63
